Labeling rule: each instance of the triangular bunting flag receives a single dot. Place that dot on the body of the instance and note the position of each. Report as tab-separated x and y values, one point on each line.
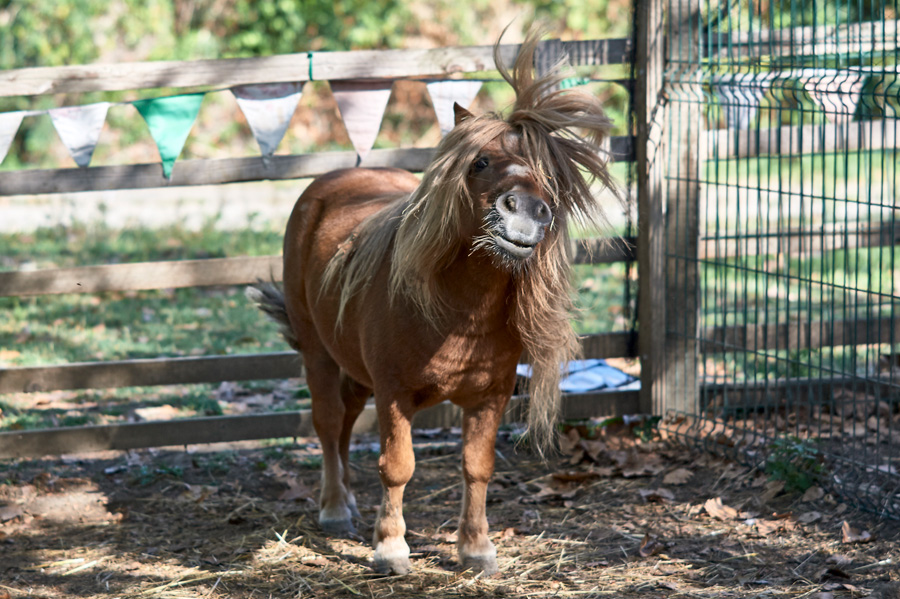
445	93
740	98
9	126
170	120
837	94
362	105
79	128
268	108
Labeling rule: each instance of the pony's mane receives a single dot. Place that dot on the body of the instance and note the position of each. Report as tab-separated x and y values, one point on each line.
561	132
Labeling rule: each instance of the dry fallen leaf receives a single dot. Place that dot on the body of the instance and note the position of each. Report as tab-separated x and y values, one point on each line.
809	517
715	508
570	444
852	535
678	476
296	491
812	494
839	560
9	512
767	527
199	493
773	488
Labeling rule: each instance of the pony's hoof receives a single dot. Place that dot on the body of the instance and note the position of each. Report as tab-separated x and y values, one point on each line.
486	564
396	565
339	527
392	556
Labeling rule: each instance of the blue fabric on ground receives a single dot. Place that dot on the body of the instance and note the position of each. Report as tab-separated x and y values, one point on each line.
587	375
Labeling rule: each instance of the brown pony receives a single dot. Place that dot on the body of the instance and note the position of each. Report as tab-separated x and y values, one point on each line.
421	291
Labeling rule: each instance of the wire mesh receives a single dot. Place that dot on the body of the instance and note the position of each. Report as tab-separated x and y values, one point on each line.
796	344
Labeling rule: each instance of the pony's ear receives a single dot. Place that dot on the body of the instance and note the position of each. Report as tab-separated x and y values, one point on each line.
460	114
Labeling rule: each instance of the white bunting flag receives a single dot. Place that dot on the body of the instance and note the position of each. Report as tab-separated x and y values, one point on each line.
268	108
9	126
837	93
740	98
79	128
362	105
445	93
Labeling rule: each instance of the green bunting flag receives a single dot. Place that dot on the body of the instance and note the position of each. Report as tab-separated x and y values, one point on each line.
170	120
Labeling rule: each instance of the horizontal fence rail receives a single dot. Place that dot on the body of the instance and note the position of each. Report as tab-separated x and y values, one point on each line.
228	170
307	66
207	369
219	429
213	369
241	270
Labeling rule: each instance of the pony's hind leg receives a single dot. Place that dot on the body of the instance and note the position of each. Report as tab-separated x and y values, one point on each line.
476	551
395	466
354	396
329	416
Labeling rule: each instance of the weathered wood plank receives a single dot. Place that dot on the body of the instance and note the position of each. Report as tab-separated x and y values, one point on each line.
142	275
649	111
212	369
31	444
225	170
213	271
148	75
203	172
684	131
621	344
367	64
147	372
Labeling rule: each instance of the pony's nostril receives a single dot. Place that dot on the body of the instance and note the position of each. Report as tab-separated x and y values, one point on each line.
509	202
542	212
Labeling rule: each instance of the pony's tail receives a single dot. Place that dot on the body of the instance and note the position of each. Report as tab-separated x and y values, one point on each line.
270	299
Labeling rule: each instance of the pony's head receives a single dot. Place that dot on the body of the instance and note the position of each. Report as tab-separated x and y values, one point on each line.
505	186
510	201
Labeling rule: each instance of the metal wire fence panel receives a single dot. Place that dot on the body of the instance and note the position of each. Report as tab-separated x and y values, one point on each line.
797	337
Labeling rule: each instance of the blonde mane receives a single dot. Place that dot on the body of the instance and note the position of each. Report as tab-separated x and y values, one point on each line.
561	132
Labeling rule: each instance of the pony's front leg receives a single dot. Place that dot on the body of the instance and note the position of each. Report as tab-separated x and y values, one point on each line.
395	465
476	551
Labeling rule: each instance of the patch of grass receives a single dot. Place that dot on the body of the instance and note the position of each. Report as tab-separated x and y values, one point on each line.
148	474
219	463
200	402
797	462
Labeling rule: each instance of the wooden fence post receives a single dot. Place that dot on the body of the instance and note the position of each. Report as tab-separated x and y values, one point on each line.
685	144
649	110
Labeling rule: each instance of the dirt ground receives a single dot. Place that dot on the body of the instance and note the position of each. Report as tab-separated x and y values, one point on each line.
611	516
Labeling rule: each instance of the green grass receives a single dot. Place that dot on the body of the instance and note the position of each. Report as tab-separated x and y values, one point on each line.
129	325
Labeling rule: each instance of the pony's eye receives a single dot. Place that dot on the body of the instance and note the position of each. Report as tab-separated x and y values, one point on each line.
480	164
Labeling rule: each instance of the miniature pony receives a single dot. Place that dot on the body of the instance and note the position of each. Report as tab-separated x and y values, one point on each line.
424	291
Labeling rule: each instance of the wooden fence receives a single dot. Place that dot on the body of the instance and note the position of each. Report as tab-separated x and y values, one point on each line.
393	64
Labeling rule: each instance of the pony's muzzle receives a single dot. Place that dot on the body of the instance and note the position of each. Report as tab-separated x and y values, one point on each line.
523	217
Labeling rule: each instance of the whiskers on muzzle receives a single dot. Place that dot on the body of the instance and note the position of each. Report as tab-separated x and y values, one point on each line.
493	241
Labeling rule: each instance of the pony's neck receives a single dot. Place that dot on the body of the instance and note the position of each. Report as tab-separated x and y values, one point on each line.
473	285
